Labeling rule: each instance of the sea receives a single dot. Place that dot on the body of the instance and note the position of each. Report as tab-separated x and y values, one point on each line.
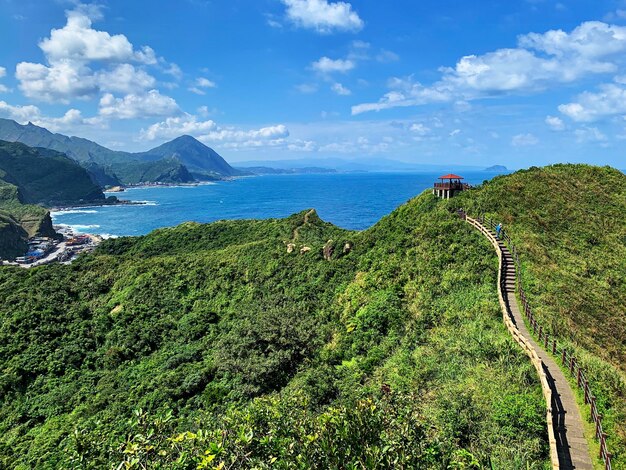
353	201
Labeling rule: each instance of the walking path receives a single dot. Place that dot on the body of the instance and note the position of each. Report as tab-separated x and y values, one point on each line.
567	425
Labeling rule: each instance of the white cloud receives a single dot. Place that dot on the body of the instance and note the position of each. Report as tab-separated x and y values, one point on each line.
150	104
83	62
323	16
200	84
404	92
175	126
454	132
21	114
340	89
327	66
588	107
77	40
524	140
125	78
3	72
225	137
419	129
589	134
555	123
59	82
539	61
31	113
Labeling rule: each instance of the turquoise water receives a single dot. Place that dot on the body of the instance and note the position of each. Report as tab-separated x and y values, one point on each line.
349	200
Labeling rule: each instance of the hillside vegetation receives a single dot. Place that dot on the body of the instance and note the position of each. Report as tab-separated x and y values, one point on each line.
568	223
45	177
295	344
269	344
29	177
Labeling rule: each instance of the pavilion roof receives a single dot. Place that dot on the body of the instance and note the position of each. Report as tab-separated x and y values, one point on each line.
451	176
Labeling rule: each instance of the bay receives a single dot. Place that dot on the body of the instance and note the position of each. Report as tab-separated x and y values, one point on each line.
350	200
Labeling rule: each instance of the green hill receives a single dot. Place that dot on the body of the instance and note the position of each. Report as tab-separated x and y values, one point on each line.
46	177
288	343
30	177
197	157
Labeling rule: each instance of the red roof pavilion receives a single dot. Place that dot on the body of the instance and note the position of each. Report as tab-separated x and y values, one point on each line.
451	187
451	176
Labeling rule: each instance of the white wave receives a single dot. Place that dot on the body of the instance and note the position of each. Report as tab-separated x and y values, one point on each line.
72	211
106	236
147	203
80	228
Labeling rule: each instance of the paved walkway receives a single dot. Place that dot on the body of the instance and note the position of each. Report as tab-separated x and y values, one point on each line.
572	448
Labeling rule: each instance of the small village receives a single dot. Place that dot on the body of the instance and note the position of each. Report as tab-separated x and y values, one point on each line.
45	250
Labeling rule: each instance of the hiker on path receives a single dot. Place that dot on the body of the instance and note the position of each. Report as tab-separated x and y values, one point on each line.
498	231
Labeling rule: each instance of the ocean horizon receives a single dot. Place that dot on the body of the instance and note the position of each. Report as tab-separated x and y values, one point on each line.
354	201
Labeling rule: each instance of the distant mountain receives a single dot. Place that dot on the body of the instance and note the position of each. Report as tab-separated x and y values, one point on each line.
30	177
197	157
497	169
356	165
108	167
265	170
44	176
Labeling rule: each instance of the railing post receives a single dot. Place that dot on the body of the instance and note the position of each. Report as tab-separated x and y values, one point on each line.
602	444
553	347
563	356
571	364
586	389
578	378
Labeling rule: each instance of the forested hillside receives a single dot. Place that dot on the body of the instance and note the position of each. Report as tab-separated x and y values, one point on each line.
568	223
45	176
389	348
289	344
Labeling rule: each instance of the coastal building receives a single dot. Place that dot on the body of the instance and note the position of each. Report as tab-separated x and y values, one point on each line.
449	186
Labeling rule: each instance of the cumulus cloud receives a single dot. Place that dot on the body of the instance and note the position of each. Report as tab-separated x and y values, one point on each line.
328	66
225	136
82	62
59	82
31	113
323	16
18	113
610	100
539	61
555	123
340	89
524	140
150	104
125	78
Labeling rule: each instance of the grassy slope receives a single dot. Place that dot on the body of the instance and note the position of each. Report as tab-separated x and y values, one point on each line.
201	319
568	222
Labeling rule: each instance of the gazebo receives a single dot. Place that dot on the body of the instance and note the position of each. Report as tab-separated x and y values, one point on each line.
449	186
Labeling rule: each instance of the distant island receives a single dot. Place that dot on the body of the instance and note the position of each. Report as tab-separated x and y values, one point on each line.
497	169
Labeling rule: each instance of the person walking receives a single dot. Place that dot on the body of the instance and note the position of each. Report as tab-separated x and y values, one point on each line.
498	231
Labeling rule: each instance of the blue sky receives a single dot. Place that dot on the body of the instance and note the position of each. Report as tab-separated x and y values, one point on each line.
521	82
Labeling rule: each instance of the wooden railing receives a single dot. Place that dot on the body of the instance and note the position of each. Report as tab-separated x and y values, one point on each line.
568	360
521	340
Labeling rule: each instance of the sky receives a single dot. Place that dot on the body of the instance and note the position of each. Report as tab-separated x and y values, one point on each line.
516	82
